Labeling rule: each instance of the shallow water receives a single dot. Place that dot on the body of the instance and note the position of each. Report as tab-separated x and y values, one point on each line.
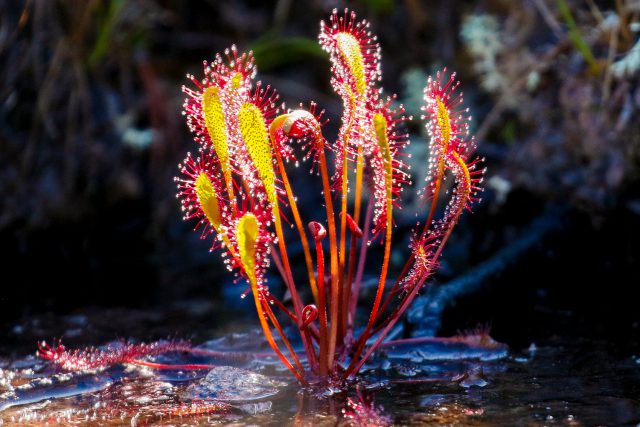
565	381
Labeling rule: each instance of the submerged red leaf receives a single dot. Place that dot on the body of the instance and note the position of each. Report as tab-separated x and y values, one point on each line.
99	358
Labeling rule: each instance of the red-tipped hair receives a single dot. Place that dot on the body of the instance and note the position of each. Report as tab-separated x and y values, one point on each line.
447	123
387	170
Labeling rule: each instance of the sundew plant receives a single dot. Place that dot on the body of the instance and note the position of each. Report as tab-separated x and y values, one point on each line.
237	188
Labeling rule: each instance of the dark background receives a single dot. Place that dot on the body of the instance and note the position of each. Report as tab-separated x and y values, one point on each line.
91	133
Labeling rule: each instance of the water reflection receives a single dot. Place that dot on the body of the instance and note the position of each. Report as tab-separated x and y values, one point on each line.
455	381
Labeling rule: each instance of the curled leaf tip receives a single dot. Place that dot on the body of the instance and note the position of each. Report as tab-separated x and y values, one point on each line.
317	230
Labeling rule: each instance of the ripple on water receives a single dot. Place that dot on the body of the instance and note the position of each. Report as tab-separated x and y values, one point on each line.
460	380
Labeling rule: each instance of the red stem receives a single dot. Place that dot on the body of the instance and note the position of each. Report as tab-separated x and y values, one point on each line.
392	319
333	244
361	261
282	307
427	224
286	342
278	263
383	278
298	221
257	297
347	295
342	251
303	330
322	309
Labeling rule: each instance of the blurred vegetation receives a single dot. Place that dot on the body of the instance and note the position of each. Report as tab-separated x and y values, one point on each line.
274	52
549	68
91	131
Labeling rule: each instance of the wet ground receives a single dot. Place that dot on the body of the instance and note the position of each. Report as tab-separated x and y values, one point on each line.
469	381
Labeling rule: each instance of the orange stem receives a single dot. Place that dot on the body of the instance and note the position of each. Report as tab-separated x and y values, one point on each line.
286	342
299	226
267	331
353	250
407	265
340	331
297	304
464	180
337	333
273	136
374	311
331	223
362	259
232	197
383	273
434	200
406	302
